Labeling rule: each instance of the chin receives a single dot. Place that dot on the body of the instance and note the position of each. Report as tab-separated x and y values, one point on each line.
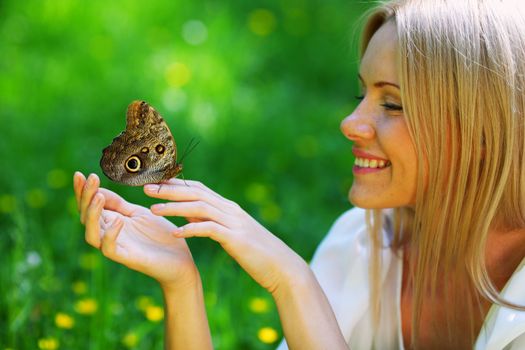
367	200
362	201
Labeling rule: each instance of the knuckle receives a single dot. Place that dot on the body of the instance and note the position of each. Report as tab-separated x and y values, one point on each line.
197	184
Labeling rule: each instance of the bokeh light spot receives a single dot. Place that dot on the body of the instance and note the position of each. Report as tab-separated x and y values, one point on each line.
7	203
57	178
79	287
174	99
177	74
256	192
36	198
262	22
130	340
143	302
267	335
204	116
194	32
259	305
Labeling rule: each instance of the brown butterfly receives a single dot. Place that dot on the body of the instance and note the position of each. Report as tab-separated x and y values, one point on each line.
143	153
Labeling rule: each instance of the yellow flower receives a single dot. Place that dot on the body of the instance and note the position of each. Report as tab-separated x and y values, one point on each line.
63	320
48	343
79	287
130	339
86	306
267	335
154	313
259	305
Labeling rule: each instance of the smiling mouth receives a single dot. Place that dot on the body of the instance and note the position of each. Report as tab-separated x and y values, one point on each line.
371	163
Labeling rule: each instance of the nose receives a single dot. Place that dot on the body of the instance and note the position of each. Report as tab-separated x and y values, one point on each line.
357	126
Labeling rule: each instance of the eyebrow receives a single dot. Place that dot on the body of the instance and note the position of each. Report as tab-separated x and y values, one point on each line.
379	84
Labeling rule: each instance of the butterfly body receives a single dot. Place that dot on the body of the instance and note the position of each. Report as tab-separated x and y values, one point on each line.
143	153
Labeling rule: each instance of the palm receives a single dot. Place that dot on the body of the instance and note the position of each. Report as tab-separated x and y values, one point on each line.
145	242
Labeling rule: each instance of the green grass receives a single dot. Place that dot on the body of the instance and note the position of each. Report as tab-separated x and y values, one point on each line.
264	93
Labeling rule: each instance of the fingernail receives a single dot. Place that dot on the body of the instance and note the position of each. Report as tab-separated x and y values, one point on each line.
151	188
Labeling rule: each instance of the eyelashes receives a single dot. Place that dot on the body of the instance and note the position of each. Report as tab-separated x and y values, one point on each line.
392	107
387	105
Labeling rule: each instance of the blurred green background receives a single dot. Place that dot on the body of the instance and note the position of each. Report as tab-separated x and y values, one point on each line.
263	85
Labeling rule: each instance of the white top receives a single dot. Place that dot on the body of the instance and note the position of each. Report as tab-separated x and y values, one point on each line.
341	266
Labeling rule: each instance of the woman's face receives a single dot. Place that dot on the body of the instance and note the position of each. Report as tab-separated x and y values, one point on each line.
385	170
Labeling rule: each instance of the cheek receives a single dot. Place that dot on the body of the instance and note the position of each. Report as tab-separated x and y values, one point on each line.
397	144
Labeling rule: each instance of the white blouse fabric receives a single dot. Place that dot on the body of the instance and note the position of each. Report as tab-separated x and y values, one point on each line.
341	262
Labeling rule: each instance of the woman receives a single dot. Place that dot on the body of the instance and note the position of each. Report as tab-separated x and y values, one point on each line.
436	260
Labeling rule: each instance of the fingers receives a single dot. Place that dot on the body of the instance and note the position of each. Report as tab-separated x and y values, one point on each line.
193	210
190	183
109	241
202	229
177	191
88	191
92	220
78	183
116	203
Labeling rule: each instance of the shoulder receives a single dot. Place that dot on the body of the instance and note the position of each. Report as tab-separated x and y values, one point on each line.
347	231
345	244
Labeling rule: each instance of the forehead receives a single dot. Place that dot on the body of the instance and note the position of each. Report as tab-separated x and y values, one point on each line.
380	60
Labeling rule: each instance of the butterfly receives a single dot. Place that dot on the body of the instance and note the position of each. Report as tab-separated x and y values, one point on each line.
143	153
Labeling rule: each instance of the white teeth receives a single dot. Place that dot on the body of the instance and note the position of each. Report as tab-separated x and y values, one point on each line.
370	163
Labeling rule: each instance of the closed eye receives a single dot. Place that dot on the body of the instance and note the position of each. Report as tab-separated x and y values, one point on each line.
392	107
386	105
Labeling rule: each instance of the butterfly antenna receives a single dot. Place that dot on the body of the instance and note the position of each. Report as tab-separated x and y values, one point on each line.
183	179
189	148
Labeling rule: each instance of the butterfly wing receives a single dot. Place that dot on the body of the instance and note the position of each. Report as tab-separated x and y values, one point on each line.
145	152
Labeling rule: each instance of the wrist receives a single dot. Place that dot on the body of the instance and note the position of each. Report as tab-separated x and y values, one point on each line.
297	276
189	281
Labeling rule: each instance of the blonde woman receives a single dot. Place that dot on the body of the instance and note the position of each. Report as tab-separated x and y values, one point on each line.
436	259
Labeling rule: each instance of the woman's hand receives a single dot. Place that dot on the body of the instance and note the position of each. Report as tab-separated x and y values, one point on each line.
132	235
261	254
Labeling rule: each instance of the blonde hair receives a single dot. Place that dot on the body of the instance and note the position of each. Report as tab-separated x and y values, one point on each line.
462	75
